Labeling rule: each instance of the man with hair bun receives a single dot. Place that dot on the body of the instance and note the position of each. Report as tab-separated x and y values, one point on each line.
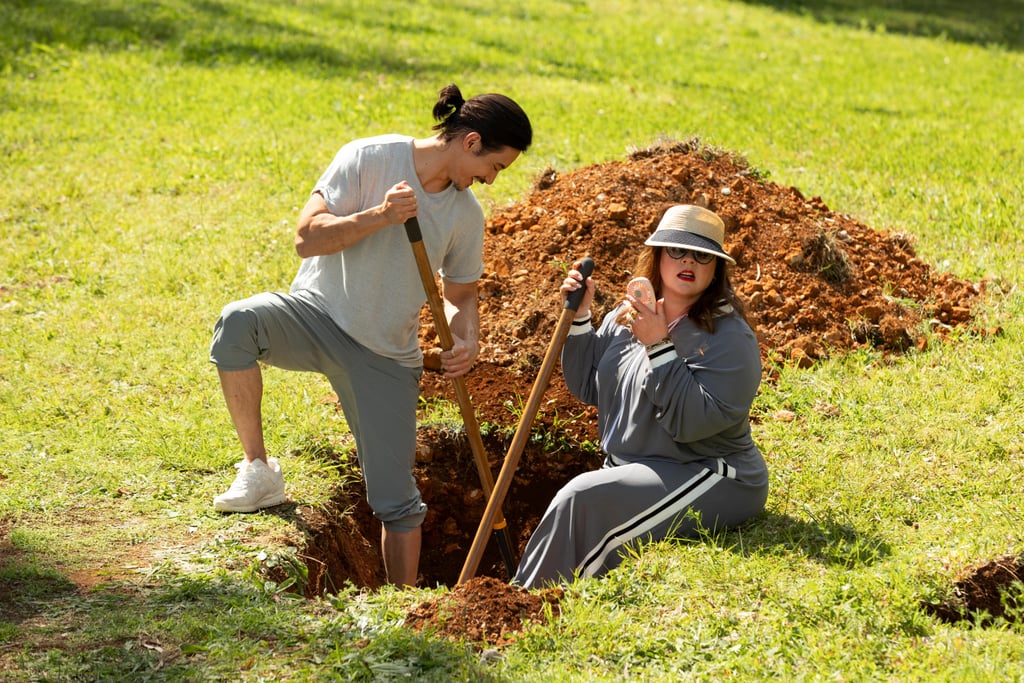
352	312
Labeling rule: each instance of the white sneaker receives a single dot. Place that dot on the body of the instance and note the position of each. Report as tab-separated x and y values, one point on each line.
258	485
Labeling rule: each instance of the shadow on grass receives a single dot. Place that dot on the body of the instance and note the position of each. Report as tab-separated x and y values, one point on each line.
315	37
997	22
825	541
208	32
26	588
198	626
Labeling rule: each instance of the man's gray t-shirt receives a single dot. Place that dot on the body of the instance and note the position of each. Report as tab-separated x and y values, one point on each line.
372	289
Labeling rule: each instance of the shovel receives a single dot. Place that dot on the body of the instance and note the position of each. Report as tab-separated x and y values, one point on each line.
515	450
476	444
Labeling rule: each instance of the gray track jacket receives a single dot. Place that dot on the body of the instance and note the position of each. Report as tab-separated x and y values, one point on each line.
688	400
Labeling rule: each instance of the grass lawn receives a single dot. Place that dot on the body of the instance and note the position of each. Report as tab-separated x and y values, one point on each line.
154	159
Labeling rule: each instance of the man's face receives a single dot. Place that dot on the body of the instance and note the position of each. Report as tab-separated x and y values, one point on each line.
478	166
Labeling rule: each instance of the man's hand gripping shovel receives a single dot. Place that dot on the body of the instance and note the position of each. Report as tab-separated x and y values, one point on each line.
515	450
497	523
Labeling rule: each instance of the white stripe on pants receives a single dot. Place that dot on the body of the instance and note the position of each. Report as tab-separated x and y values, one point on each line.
597	513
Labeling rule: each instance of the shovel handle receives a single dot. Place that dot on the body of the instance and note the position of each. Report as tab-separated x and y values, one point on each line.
476	445
515	449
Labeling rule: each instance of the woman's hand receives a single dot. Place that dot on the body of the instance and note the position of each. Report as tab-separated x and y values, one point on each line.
647	324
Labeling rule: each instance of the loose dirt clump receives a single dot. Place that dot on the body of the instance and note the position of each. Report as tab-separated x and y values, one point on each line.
985	593
816	283
484	610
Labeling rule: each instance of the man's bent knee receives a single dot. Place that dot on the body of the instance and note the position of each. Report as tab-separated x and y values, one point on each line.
234	339
405	524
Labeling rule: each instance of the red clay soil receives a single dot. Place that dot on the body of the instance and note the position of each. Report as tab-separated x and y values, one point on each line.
483	610
816	283
985	593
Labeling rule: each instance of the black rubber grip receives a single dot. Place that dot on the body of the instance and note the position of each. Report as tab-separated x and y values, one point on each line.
412	230
572	302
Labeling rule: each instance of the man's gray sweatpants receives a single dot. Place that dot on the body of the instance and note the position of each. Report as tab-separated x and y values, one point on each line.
378	396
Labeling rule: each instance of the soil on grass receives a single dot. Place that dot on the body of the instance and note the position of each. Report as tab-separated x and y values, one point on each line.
816	283
484	610
985	593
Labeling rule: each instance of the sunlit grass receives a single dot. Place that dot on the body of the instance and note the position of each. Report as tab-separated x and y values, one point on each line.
155	158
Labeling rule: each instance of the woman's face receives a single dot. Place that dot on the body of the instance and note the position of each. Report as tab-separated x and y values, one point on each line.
685	276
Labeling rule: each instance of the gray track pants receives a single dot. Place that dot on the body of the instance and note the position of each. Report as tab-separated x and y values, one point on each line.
597	514
377	395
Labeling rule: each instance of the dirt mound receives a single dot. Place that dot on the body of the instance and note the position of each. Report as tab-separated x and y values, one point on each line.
816	283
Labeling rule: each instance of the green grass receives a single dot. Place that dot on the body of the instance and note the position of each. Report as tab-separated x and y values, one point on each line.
155	156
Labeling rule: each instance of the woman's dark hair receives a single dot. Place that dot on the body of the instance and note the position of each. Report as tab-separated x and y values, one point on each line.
718	294
499	120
